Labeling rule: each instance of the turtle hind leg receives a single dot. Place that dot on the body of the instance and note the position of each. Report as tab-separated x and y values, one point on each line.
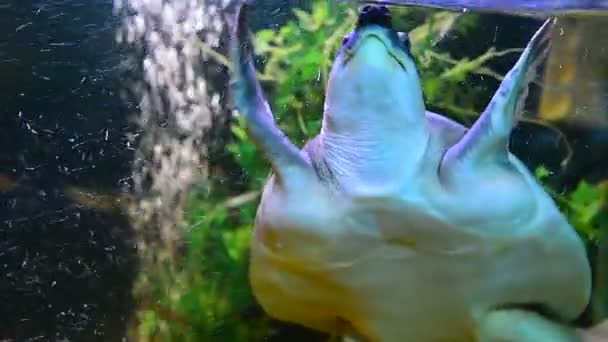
489	136
250	102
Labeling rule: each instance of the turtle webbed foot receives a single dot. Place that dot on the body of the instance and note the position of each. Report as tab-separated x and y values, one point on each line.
250	102
505	106
489	136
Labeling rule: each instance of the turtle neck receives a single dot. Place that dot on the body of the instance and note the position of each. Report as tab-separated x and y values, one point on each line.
373	148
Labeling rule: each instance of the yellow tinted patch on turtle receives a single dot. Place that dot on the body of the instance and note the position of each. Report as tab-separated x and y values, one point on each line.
269	238
409	243
295	292
470	335
504	247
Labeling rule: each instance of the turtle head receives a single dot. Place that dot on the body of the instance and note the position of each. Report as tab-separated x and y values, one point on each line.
374	72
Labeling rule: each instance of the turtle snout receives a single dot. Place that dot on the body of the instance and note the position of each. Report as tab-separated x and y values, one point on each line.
374	14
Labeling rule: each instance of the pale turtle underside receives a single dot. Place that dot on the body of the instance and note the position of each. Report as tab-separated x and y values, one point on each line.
395	221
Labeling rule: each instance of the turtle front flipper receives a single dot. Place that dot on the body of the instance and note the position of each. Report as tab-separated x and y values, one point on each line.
250	101
489	136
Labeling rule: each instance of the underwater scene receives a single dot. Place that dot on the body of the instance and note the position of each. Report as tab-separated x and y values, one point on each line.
299	170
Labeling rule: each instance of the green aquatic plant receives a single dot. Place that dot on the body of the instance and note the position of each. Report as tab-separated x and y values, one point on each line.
209	296
586	207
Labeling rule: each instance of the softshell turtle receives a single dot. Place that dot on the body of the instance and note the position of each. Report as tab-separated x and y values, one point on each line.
397	224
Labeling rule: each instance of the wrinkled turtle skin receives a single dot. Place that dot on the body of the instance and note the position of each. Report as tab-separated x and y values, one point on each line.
397	224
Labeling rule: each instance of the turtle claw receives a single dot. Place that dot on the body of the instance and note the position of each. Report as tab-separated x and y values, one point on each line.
489	136
251	103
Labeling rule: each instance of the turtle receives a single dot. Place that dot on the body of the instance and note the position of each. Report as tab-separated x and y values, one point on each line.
396	223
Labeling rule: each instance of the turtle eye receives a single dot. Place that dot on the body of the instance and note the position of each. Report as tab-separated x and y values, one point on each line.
404	38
